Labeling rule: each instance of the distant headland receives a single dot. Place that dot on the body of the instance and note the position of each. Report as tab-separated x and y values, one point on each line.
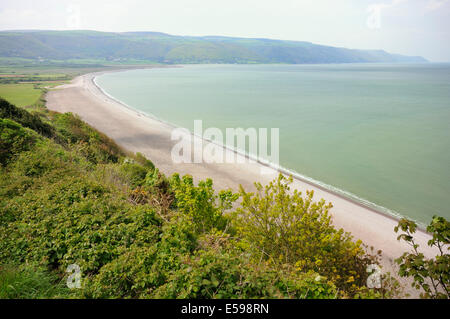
155	47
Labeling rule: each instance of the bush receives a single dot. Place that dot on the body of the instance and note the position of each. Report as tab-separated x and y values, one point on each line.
432	275
183	265
14	139
144	267
44	159
224	272
27	119
200	203
133	174
93	145
87	225
285	228
141	159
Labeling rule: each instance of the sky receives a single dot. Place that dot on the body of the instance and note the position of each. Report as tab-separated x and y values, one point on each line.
410	27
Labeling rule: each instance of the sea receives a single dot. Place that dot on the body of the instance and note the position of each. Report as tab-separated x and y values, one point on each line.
377	133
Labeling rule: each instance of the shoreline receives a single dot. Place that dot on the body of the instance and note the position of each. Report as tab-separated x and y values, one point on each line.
140	132
281	169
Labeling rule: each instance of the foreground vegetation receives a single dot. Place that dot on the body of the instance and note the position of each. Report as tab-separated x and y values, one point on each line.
70	195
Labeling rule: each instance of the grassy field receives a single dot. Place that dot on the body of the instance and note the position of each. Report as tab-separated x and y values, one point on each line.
23	94
23	82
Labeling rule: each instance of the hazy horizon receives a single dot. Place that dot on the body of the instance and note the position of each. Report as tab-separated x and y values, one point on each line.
407	27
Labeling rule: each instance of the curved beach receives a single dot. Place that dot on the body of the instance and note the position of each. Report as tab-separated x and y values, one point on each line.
137	132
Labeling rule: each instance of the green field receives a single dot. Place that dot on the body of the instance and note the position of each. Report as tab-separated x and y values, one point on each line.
22	82
23	94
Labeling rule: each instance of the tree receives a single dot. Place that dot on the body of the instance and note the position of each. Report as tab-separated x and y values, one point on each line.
284	227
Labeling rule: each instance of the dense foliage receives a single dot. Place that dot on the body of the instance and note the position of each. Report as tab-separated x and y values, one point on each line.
77	198
284	227
30	281
432	275
26	119
13	139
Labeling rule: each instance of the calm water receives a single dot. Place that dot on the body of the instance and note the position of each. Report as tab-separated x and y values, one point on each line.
380	132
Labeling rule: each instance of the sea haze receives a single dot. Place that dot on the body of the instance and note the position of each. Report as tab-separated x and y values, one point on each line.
378	131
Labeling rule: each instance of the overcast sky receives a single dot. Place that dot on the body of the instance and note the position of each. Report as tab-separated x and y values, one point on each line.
412	27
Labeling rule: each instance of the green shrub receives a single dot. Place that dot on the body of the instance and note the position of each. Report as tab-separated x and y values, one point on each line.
93	145
221	271
141	159
286	228
432	275
133	174
154	178
14	139
200	203
87	225
25	118
45	158
183	265
144	267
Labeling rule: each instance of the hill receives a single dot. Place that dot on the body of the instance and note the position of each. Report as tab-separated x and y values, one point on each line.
158	47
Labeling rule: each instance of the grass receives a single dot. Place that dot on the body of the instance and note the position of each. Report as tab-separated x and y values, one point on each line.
23	94
23	83
71	67
30	282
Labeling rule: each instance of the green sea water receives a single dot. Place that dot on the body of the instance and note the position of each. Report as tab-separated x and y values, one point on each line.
380	132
